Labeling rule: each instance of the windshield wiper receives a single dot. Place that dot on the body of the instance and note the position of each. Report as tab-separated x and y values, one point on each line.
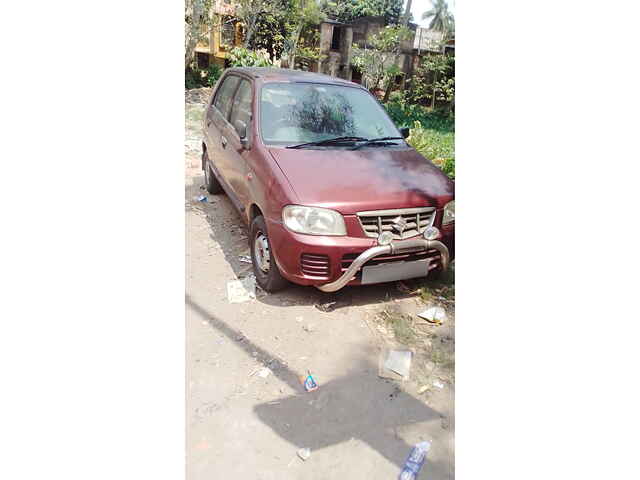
379	141
330	141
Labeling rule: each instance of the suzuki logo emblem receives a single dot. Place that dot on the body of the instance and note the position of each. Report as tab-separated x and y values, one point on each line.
399	224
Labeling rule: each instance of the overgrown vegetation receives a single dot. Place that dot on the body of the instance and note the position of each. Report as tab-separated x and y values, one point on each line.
432	133
242	57
206	77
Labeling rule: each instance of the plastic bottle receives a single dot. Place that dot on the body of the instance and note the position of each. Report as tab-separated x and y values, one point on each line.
415	461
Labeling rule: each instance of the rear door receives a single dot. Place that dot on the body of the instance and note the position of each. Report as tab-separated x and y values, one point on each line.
217	125
239	170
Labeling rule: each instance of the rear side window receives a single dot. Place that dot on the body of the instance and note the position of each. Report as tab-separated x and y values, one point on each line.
242	104
224	95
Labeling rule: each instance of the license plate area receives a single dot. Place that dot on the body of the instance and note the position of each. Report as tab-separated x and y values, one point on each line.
389	272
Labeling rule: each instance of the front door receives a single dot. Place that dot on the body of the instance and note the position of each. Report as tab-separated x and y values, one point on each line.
217	121
239	171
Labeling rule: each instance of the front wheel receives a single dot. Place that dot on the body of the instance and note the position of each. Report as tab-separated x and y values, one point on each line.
264	265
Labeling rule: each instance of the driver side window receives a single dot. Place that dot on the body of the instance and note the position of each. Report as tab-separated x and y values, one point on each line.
242	104
225	94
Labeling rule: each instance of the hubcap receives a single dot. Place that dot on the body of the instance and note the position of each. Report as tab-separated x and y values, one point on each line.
261	252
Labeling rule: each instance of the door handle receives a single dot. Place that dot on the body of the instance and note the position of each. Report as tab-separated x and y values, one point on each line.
224	142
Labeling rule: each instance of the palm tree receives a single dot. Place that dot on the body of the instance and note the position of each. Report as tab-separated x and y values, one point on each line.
441	18
441	21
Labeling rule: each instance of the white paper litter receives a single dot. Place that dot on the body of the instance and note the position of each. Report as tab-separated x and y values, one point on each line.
438	384
239	291
434	314
264	373
399	361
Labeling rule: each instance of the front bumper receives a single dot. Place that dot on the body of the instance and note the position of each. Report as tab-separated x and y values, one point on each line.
345	256
402	246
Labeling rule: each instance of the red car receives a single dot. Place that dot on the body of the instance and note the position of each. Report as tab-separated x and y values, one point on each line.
332	193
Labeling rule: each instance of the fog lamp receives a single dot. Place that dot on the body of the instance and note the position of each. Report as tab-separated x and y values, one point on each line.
431	233
385	238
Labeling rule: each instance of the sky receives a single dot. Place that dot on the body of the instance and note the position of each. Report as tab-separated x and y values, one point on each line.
418	7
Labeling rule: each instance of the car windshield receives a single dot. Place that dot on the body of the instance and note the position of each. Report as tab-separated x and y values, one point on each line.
294	113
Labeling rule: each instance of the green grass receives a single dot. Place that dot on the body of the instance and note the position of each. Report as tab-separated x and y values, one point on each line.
401	326
432	133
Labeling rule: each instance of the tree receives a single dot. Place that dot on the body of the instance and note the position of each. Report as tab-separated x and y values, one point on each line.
379	63
407	14
307	13
197	21
441	18
348	10
249	13
435	79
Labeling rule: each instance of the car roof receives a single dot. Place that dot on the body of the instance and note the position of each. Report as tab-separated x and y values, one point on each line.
284	74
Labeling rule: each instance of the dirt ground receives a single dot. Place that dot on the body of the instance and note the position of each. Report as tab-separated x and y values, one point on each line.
247	413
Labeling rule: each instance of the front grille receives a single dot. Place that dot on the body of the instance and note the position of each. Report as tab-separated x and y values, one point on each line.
432	254
402	223
314	265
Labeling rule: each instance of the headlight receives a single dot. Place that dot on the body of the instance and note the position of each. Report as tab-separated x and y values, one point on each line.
449	213
313	220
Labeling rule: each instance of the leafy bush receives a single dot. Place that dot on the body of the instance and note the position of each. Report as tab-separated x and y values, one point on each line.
404	113
212	74
435	145
432	133
192	79
243	57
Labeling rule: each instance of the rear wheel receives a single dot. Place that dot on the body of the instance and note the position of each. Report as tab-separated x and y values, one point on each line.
210	180
265	269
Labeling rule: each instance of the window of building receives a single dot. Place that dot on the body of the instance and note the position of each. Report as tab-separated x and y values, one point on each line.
227	32
336	38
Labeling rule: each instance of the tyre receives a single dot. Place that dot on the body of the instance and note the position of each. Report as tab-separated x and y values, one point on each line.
210	180
264	265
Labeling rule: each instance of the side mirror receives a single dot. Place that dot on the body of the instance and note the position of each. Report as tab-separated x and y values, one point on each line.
241	128
404	131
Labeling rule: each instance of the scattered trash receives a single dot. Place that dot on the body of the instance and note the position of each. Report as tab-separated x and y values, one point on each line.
415	461
399	361
307	328
423	389
201	198
438	384
309	383
332	305
304	453
326	307
239	291
244	259
264	372
434	315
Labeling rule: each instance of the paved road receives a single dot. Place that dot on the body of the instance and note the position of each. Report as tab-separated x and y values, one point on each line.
241	425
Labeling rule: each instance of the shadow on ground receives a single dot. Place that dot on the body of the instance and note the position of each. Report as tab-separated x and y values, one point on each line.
359	405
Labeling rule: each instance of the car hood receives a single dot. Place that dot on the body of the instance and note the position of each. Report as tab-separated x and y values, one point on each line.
351	181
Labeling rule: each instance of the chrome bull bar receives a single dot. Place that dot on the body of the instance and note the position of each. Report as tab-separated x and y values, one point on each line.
413	245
